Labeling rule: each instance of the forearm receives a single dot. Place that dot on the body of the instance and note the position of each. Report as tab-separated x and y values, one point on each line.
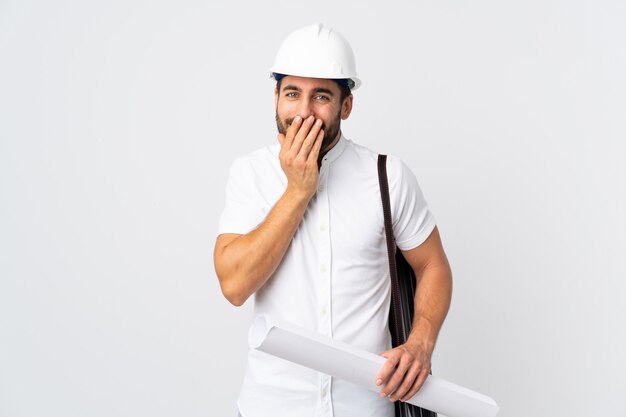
408	365
244	264
432	301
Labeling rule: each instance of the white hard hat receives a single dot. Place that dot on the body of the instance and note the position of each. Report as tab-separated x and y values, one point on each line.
316	51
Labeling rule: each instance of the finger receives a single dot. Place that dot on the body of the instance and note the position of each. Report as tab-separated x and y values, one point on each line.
308	143
419	382
302	134
408	382
281	139
317	146
398	375
292	130
388	353
388	367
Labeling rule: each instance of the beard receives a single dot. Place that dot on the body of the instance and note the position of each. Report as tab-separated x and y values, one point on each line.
330	131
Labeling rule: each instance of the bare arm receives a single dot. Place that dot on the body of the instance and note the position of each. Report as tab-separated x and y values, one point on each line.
408	365
244	263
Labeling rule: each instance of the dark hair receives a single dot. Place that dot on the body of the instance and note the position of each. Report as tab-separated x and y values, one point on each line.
343	84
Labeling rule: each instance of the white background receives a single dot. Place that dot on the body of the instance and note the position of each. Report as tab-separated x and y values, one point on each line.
119	120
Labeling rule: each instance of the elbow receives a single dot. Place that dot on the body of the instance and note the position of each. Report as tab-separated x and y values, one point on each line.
234	294
235	300
231	281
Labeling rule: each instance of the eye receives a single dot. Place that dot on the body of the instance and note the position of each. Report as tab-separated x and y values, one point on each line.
322	97
291	94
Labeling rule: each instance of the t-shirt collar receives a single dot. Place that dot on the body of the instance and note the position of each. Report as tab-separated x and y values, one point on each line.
336	150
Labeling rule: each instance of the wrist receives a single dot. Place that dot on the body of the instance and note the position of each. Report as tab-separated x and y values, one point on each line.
298	195
423	335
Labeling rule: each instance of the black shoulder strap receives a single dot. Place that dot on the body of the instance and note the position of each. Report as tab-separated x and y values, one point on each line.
402	289
396	328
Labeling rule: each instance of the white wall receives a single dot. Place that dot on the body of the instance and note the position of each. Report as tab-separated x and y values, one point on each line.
119	119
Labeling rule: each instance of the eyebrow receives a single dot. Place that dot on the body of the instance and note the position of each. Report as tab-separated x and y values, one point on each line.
315	90
323	90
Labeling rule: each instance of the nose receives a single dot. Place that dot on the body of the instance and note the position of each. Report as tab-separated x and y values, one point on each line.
305	109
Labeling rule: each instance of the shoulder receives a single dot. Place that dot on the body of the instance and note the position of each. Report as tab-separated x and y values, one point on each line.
360	158
259	160
397	170
394	163
361	151
402	181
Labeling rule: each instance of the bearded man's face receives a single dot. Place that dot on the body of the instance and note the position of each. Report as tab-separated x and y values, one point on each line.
300	96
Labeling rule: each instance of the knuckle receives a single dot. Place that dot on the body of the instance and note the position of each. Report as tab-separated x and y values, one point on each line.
407	386
395	381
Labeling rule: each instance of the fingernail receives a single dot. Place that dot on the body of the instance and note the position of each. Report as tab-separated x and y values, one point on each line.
297	119
311	118
318	122
379	381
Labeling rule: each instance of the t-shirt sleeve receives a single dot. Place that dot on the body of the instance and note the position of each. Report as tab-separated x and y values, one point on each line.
242	213
411	218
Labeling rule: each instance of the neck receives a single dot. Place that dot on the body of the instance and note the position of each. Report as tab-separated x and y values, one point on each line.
327	149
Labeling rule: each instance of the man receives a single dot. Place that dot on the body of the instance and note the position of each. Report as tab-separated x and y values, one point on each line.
303	230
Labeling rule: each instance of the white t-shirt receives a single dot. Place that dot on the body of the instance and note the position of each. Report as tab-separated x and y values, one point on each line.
334	278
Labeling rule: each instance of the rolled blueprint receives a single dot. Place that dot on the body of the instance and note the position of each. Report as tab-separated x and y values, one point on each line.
341	360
